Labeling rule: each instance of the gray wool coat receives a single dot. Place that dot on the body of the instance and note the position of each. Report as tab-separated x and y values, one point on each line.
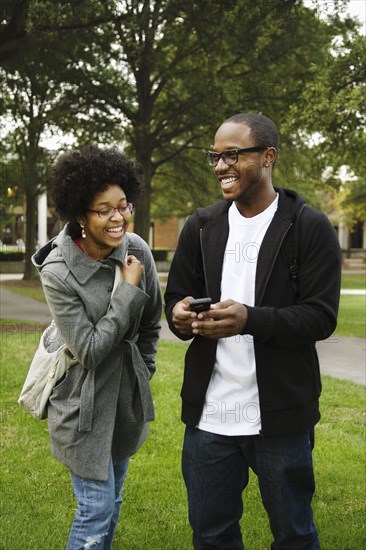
103	405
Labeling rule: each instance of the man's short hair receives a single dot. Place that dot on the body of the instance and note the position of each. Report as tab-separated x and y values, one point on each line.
263	130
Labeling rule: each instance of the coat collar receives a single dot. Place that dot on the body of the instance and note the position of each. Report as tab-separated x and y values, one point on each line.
63	249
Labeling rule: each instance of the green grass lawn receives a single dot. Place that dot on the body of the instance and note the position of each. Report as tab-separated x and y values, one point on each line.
36	496
353	280
29	289
352	310
352	316
33	289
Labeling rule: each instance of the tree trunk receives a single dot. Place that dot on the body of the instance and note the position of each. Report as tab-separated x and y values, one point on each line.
142	219
30	234
31	193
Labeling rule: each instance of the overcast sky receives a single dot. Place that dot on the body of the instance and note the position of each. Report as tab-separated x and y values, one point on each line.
357	8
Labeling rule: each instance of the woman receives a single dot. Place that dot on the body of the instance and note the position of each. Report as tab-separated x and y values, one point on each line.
98	413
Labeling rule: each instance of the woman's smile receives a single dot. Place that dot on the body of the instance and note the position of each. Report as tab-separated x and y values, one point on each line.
116	232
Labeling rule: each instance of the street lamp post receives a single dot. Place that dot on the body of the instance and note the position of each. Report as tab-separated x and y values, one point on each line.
42	219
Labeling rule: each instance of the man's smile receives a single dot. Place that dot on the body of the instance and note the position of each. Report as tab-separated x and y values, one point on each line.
228	181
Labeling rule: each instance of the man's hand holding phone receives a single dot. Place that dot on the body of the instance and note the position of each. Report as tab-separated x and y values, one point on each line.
186	311
227	318
200	304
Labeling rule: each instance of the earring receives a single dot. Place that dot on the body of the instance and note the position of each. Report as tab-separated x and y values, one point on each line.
266	165
83	234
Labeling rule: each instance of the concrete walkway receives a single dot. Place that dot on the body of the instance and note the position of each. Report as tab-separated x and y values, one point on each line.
341	357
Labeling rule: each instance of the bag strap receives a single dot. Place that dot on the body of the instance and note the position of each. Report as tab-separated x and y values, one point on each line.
295	234
117	275
117	278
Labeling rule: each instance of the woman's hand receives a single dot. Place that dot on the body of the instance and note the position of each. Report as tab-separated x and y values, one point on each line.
131	270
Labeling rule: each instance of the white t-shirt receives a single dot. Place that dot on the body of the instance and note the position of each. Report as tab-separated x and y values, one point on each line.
232	400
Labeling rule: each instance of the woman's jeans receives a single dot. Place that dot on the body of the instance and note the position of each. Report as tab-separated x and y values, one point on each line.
99	504
216	471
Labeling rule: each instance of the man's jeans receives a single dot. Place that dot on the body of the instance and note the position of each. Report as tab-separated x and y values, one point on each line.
99	504
216	471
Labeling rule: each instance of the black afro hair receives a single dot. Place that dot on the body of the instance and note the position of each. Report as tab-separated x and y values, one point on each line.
78	175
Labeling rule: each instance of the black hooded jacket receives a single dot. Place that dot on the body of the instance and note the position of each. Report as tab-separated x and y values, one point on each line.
286	320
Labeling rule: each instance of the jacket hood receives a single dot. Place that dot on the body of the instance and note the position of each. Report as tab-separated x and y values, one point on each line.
288	205
63	249
40	257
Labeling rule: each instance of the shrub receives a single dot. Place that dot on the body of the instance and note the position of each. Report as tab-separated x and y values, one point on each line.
160	254
11	256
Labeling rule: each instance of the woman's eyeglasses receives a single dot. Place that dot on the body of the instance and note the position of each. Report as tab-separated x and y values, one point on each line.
106	213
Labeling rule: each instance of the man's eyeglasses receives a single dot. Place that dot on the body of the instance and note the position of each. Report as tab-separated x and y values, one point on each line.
230	157
106	213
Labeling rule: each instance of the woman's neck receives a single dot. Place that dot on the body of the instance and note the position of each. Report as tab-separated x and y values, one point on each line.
93	252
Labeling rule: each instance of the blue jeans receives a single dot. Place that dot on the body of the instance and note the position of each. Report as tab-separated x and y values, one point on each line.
216	471
99	504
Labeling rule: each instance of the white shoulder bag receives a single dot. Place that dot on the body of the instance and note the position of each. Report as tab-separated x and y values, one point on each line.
47	368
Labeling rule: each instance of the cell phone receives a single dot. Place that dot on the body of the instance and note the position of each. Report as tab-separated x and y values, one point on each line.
200	304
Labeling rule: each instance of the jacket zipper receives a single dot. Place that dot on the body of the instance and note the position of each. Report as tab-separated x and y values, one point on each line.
203	262
204	226
298	213
271	266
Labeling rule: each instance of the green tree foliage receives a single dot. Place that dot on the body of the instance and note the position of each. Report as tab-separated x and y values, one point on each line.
159	77
352	198
34	67
333	107
166	74
28	104
13	29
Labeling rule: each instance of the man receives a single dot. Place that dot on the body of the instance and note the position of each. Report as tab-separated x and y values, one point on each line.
252	384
